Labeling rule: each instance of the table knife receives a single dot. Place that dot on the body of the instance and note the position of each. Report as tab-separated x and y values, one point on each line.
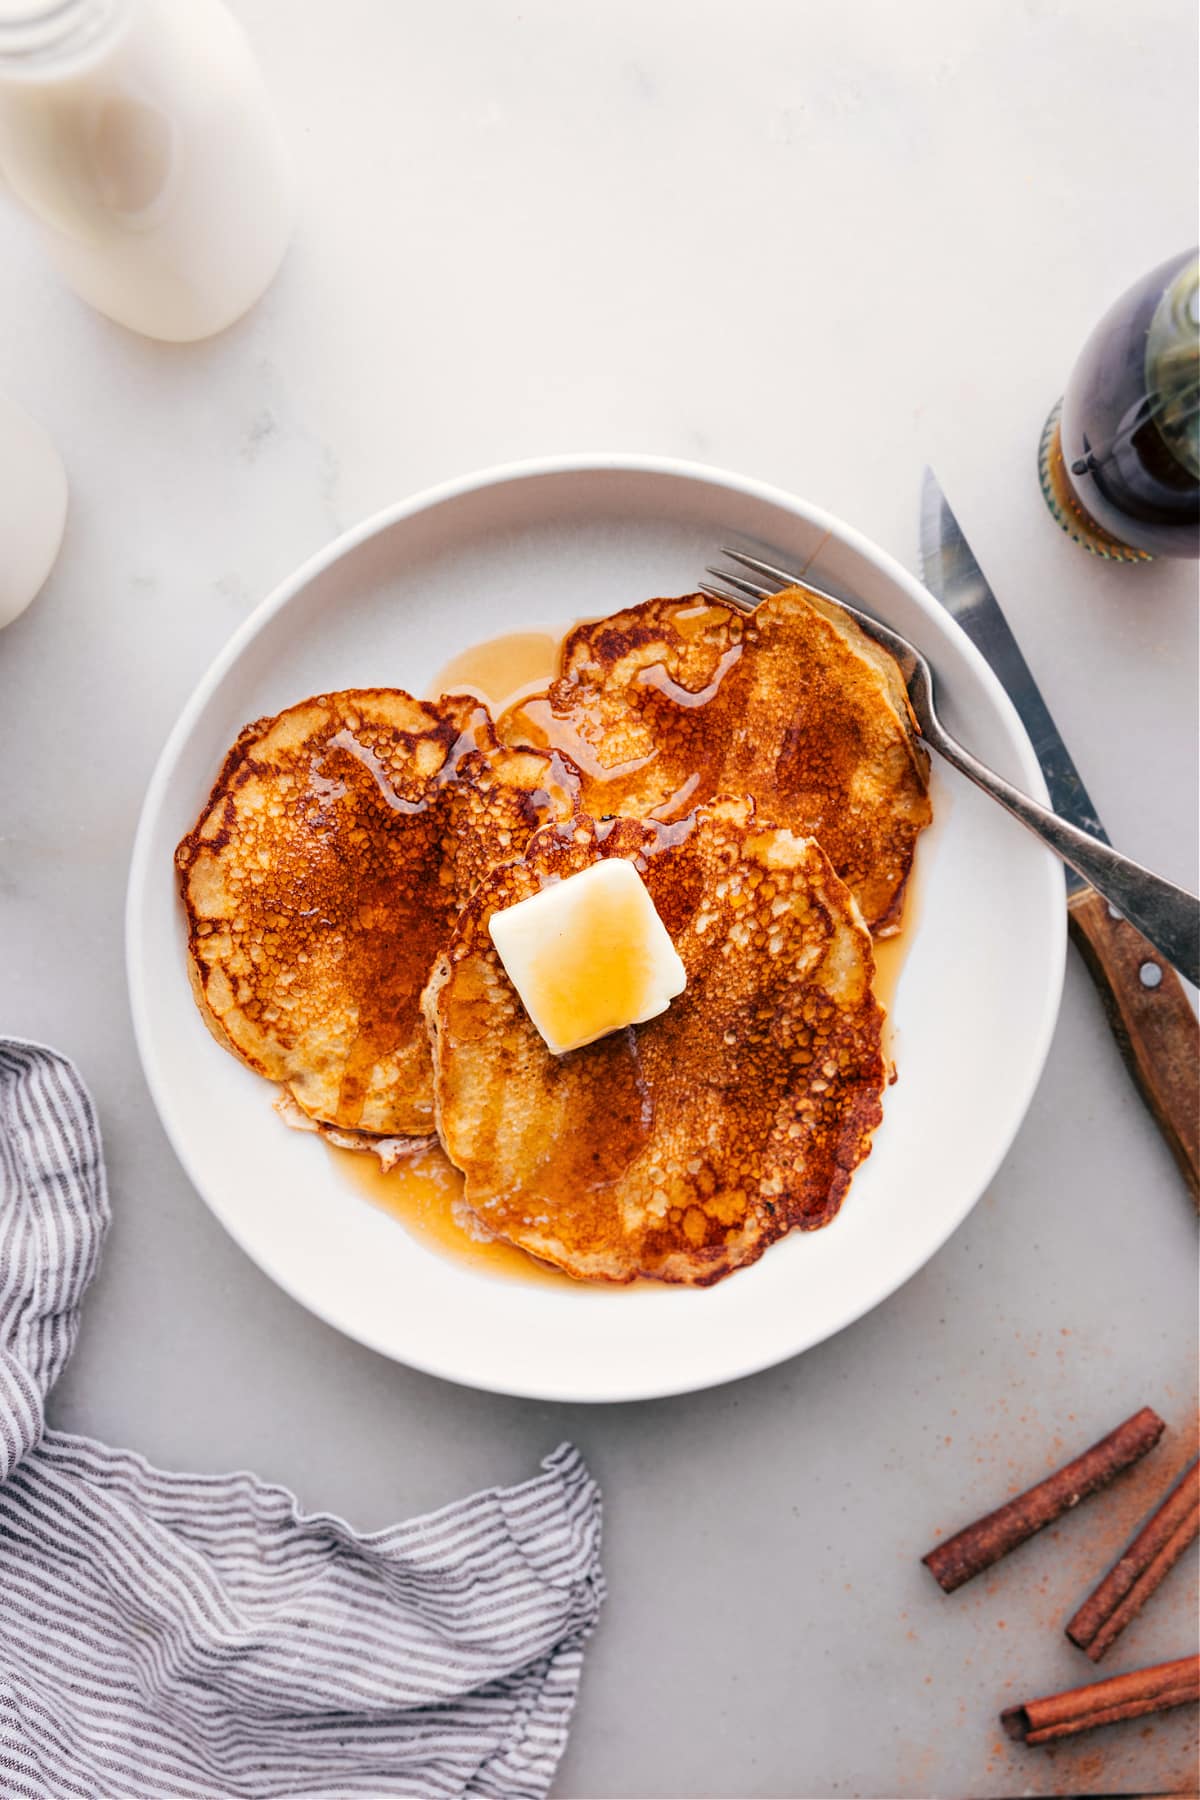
1146	1003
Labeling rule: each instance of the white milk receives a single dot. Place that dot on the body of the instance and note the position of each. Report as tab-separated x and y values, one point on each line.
33	508
139	134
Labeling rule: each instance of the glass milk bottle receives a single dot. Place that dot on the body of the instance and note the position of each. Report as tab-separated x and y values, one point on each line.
33	508
139	135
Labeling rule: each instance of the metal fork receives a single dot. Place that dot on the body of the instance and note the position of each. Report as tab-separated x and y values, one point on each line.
1168	915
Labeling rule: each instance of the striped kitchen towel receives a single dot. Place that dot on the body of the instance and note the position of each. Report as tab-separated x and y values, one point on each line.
198	1635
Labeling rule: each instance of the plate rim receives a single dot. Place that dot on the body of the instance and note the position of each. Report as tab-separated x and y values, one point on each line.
344	544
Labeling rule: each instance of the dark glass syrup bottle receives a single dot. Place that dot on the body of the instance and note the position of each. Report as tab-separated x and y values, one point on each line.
1120	455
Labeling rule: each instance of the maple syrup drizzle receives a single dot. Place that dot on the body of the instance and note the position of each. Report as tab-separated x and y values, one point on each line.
656	677
375	767
544	729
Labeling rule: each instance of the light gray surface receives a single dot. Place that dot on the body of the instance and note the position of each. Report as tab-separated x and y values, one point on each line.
516	237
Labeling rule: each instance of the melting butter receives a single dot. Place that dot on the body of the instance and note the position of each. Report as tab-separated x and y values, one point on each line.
589	955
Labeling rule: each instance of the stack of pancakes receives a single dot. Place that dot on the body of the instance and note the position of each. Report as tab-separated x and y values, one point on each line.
763	775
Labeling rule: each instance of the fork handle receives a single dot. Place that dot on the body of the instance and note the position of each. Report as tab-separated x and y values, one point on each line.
1165	914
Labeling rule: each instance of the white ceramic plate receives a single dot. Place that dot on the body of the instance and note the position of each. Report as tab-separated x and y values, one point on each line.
535	546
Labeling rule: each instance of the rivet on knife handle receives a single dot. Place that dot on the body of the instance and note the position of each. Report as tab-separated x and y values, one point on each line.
1152	1021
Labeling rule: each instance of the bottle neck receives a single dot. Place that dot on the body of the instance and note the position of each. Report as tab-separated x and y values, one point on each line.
39	35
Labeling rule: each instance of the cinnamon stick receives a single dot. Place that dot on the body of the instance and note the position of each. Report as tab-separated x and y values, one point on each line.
1105	1702
978	1546
1140	1568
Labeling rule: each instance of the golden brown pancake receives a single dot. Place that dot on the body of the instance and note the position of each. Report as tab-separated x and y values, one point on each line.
324	877
668	703
388	1151
681	1148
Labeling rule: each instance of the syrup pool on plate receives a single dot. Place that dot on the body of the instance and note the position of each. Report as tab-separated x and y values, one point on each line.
501	669
891	954
424	1192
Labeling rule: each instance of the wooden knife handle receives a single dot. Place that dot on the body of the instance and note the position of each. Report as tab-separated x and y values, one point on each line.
1151	1021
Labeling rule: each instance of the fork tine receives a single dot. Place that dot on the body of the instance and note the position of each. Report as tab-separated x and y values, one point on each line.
883	634
760	568
751	589
789	580
738	601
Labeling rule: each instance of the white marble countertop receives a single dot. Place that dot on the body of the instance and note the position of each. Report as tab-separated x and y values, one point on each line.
821	244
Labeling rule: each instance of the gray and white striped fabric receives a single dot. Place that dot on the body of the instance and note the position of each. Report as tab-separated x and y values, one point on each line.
198	1635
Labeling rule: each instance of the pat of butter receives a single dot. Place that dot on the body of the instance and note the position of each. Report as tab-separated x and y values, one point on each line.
589	955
